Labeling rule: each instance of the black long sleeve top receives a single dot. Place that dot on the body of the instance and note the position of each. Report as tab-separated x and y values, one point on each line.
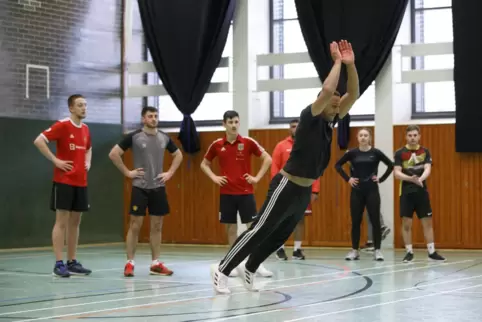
364	165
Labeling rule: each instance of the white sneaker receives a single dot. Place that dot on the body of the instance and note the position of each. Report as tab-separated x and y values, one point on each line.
247	277
352	255
234	273
220	281
379	255
262	271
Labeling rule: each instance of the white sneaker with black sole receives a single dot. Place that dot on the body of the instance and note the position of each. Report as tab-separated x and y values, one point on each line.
352	255
378	255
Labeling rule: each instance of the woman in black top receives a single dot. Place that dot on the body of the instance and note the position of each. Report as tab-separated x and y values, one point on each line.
364	180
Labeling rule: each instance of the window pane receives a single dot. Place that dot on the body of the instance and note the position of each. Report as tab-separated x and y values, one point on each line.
212	107
432	3
365	105
228	48
167	110
287	37
439	97
438	62
284	9
294	71
433	26
220	75
298	99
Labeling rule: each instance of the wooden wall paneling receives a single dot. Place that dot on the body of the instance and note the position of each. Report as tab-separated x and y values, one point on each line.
455	188
471	191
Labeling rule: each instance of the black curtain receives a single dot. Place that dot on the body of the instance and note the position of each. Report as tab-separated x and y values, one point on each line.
371	27
186	39
467	27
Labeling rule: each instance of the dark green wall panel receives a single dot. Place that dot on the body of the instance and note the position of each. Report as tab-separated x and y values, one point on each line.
26	178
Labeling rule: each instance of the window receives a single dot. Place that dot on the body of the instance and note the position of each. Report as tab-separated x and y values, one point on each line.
286	37
432	23
213	105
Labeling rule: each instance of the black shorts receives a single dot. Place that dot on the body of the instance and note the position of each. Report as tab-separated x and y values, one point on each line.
230	205
418	202
154	200
69	198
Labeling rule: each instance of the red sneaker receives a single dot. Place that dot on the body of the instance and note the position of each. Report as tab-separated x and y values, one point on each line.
160	269
129	270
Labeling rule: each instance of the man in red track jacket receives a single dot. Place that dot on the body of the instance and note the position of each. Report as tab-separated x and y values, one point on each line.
280	155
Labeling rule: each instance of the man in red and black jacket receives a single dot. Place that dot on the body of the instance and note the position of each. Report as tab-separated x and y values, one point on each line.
281	154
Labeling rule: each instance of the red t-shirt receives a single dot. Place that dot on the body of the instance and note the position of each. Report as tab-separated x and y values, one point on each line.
234	162
73	142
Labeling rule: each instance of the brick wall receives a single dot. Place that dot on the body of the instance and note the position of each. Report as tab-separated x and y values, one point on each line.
78	40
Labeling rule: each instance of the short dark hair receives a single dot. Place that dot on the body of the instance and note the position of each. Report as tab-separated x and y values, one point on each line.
294	121
72	98
411	128
146	109
229	115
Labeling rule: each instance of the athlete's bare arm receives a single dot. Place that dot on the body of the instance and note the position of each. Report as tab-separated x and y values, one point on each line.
41	144
330	84
264	167
427	169
176	162
353	89
88	159
116	156
206	167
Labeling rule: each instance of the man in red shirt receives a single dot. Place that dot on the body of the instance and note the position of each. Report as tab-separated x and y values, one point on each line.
69	190
281	154
237	194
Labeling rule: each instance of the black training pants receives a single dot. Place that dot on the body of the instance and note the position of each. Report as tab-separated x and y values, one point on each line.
360	198
283	208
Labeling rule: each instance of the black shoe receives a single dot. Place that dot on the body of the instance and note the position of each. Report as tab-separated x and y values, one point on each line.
369	247
298	254
76	268
281	254
408	257
436	257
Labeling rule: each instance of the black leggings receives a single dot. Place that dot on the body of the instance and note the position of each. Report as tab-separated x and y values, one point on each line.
361	198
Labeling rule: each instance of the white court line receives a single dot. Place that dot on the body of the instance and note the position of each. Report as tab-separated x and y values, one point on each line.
230	318
280	280
200	290
347	299
386	303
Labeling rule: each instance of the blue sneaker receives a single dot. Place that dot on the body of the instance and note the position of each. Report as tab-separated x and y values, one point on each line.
76	268
60	270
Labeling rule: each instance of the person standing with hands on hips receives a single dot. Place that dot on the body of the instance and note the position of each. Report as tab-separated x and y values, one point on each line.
148	146
365	193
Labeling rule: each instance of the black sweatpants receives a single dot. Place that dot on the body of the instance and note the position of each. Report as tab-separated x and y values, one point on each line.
360	198
283	208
